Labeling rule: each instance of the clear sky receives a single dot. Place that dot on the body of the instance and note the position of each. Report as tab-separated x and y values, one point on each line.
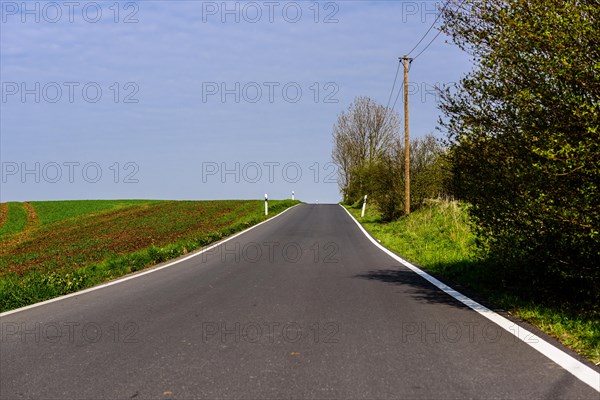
200	100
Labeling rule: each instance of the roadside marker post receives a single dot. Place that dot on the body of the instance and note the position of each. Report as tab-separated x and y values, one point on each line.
293	198
266	204
362	214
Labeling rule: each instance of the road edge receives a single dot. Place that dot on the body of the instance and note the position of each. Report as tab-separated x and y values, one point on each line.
145	271
575	367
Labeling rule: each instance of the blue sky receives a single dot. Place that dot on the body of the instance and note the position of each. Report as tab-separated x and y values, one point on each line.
199	100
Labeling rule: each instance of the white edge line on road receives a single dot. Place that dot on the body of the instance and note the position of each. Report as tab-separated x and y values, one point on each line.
572	365
138	274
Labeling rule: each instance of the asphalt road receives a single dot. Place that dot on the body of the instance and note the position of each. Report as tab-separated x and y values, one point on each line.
303	306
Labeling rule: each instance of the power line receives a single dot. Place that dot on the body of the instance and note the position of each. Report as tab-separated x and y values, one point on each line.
387	108
428	44
393	86
430	28
385	114
439	31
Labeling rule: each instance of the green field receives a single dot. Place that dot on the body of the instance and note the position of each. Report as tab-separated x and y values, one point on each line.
438	238
14	218
51	248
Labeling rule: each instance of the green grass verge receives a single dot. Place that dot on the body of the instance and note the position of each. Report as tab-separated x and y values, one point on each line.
439	239
16	219
96	242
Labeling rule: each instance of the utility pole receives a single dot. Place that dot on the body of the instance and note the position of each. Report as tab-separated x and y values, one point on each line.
406	139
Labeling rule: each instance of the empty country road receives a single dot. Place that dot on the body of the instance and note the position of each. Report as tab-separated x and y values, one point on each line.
304	306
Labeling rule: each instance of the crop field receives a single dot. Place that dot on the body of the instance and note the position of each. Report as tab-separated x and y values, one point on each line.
52	248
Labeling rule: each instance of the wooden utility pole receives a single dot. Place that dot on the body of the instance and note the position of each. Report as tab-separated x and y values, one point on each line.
406	140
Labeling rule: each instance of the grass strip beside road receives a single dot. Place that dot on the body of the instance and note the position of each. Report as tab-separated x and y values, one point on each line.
438	238
79	244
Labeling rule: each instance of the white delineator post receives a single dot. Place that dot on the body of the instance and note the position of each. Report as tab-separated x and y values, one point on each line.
266	204
293	195
362	214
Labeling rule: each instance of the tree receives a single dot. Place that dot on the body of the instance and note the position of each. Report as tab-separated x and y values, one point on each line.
362	135
428	170
523	130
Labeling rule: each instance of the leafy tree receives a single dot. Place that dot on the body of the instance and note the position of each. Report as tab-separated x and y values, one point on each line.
428	171
362	135
524	135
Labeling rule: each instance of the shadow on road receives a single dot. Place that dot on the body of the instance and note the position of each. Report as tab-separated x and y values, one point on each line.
414	285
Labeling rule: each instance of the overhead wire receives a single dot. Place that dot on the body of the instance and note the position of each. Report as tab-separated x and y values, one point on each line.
430	28
393	86
387	108
432	25
428	44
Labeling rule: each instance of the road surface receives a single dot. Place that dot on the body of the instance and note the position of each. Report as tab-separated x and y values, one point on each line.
303	306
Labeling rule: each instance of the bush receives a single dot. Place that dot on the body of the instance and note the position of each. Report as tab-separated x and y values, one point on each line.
429	177
525	139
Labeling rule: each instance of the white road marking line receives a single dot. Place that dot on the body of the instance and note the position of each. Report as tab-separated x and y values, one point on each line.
138	274
569	363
